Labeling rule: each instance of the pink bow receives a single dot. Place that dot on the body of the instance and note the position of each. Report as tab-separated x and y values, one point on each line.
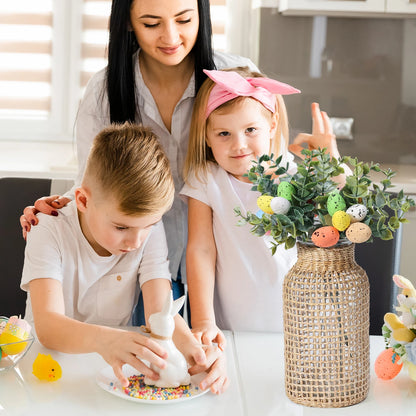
230	84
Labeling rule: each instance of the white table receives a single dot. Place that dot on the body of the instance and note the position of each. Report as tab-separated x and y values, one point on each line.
256	371
261	371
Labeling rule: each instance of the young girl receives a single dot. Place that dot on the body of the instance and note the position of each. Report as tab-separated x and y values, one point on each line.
234	281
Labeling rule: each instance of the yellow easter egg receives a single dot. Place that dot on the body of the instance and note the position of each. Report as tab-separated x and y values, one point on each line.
11	349
263	202
358	232
341	220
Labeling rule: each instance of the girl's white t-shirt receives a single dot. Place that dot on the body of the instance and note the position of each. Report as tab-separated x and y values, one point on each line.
97	289
249	279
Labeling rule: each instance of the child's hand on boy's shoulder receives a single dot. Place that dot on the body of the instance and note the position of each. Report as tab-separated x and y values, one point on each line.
119	347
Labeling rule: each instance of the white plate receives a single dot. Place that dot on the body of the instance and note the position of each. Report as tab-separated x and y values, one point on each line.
109	382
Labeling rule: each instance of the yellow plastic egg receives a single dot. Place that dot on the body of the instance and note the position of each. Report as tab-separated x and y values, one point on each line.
341	220
263	202
358	232
15	331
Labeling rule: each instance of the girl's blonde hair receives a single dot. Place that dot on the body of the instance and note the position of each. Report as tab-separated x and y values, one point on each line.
127	163
199	154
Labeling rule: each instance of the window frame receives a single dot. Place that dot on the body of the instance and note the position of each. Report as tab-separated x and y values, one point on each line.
66	71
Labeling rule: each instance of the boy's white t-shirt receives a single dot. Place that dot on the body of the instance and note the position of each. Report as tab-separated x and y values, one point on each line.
97	289
249	279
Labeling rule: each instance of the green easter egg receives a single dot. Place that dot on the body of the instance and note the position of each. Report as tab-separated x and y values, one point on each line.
263	202
285	190
335	203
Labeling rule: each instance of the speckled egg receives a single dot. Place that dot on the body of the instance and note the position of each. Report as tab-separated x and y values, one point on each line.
335	203
263	202
386	365
341	220
358	232
357	212
280	205
285	190
326	236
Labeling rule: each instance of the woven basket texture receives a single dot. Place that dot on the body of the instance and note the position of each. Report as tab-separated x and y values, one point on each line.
326	328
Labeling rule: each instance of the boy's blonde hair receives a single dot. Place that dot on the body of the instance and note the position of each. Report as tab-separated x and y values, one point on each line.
199	153
127	163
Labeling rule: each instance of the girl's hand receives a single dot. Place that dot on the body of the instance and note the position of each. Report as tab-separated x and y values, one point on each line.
207	332
47	205
119	347
322	135
216	368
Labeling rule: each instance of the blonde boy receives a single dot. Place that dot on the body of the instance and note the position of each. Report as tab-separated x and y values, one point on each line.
83	269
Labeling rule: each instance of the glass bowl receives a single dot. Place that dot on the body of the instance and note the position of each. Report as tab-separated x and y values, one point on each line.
12	352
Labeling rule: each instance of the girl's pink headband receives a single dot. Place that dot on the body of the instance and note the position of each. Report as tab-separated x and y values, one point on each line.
230	84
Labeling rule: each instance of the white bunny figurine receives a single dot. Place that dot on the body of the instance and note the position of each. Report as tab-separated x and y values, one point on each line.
162	326
407	301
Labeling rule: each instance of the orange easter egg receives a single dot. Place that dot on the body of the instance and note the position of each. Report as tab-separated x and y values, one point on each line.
384	366
325	236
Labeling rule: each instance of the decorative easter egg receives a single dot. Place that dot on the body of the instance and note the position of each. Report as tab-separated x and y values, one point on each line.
285	190
357	212
335	203
263	202
280	205
259	213
326	236
341	220
15	330
387	365
358	232
46	368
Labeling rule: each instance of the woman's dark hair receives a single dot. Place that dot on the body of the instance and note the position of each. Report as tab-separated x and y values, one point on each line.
120	82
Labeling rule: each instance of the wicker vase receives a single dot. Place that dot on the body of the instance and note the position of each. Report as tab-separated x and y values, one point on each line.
326	327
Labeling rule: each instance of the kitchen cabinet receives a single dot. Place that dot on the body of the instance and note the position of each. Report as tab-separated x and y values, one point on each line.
401	6
383	8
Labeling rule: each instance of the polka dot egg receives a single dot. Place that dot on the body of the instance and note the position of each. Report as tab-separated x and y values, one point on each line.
335	203
325	236
341	220
263	202
357	212
280	205
285	190
358	232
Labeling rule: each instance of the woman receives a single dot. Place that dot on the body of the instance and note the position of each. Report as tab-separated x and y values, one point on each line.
156	54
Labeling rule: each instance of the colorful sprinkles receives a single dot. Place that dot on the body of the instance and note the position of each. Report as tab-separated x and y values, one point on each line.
139	390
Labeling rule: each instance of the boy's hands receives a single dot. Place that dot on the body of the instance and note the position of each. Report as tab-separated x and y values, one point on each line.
119	347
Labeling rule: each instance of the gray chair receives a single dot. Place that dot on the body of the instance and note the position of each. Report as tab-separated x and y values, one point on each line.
380	259
15	194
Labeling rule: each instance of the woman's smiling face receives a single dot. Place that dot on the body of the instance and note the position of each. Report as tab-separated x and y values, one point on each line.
166	30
